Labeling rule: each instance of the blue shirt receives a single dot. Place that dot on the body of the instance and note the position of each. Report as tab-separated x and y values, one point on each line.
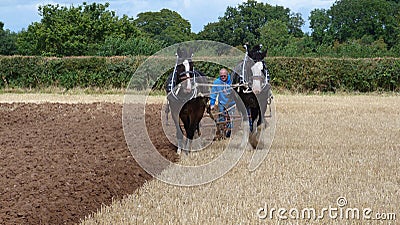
223	92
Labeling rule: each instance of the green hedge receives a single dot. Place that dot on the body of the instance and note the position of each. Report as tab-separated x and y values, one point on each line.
294	74
332	74
69	72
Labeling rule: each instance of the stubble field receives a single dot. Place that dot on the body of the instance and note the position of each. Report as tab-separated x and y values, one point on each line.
326	147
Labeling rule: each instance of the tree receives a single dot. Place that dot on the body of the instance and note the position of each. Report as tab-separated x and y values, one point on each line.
320	23
294	25
274	34
167	26
352	19
65	31
7	41
242	24
212	31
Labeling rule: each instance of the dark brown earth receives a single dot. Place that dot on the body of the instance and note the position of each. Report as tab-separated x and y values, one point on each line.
61	162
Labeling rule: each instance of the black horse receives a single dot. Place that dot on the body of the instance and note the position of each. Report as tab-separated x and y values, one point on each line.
251	83
187	98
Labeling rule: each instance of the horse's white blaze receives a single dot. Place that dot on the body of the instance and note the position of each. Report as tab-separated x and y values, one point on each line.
256	69
257	72
178	89
256	86
187	68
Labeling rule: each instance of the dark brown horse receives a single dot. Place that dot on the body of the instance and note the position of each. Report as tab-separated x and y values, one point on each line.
251	83
186	98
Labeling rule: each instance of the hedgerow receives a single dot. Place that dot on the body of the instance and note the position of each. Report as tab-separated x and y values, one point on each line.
298	74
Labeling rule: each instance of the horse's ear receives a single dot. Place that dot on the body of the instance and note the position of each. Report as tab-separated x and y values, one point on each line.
246	47
190	52
264	53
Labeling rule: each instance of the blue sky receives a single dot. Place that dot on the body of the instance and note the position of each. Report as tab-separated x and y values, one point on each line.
19	14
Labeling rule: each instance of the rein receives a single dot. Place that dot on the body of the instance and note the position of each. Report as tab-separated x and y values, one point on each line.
242	77
194	88
242	80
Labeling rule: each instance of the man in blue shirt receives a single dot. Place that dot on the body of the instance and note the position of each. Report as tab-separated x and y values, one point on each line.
222	90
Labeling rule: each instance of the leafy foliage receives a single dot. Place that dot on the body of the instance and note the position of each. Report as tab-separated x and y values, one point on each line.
243	23
349	20
7	41
133	46
349	28
319	23
334	74
274	33
166	26
68	72
352	19
290	73
66	31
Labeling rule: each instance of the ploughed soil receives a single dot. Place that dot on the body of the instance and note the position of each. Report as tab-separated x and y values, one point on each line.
61	162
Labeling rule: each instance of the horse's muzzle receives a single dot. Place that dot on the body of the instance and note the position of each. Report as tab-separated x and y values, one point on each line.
187	86
256	86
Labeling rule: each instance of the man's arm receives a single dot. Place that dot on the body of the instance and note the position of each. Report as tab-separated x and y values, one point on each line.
213	95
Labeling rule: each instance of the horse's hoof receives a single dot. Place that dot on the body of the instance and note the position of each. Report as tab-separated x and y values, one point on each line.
179	151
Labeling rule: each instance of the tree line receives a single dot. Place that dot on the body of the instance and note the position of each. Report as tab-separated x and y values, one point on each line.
349	28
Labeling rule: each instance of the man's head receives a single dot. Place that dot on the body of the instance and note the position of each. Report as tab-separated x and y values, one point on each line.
223	74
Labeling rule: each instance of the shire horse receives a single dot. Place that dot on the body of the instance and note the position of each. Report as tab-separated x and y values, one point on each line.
251	83
187	99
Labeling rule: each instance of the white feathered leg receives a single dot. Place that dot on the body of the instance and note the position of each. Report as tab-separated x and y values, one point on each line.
179	150
188	146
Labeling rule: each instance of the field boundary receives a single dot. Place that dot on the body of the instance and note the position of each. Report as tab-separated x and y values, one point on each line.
73	98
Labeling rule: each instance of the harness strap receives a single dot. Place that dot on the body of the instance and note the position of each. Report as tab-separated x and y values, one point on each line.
172	82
